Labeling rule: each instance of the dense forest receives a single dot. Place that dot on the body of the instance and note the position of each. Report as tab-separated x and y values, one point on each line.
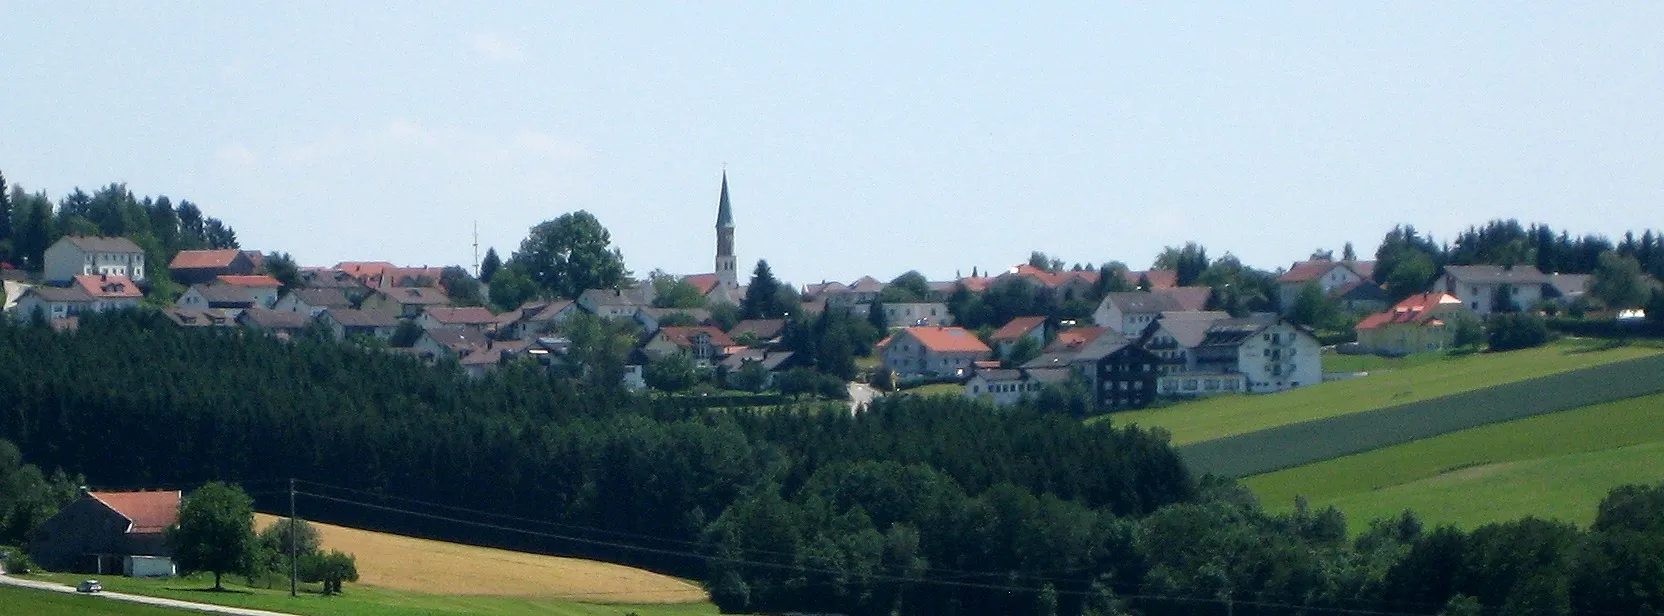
918	506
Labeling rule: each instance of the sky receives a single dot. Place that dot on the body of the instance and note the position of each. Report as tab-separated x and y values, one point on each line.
858	137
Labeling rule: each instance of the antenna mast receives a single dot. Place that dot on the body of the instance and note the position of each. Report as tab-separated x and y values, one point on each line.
476	248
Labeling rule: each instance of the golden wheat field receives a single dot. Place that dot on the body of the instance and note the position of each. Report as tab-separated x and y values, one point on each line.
420	565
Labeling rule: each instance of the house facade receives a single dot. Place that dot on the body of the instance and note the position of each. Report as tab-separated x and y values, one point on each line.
702	344
313	301
346	323
1008	386
916	313
52	303
933	351
407	302
1421	323
1484	287
1258	354
1327	274
101	532
476	318
1130	312
1018	329
75	255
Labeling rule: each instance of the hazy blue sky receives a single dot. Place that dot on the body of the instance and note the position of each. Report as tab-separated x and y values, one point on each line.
860	137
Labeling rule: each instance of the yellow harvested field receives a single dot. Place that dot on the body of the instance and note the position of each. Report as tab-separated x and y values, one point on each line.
397	562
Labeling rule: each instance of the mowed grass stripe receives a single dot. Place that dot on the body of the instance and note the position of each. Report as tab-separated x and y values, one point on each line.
33	602
1636	421
1566	488
1325	439
402	563
1224	416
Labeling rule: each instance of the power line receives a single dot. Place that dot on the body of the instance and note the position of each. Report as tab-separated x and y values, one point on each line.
866	576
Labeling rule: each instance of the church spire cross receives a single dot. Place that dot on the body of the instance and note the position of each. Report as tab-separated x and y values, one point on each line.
724	210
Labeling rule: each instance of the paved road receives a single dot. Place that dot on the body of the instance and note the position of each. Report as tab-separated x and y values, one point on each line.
118	596
860	395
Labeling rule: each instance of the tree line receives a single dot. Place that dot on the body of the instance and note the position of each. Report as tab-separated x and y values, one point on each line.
30	222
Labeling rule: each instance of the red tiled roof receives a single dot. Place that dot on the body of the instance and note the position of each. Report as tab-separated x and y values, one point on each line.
1159	279
1415	309
203	259
947	339
1307	271
416	296
108	286
683	336
363	269
1075	337
703	282
469	315
1017	328
1189	298
260	280
150	512
411	276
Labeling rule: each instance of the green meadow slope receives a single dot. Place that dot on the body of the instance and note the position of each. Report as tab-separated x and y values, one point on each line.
34	602
1225	416
1553	466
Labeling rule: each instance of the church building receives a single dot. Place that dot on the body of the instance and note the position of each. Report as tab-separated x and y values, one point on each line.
723	285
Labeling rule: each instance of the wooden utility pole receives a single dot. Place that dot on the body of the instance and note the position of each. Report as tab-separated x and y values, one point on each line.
294	563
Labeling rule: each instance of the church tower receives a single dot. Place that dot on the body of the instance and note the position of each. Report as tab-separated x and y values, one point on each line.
726	272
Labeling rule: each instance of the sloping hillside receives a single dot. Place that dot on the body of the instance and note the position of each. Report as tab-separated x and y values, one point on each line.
1225	416
1554	466
419	565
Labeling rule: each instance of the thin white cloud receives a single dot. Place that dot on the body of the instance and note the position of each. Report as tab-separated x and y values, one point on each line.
495	47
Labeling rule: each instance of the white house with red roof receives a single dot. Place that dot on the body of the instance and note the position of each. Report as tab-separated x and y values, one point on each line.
110	291
264	289
1006	337
1421	323
1328	274
109	532
933	351
703	344
476	318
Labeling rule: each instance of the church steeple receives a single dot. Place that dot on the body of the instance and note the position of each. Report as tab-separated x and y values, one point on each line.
726	265
724	210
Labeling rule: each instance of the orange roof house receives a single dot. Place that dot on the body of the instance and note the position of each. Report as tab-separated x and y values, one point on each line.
109	287
933	351
1423	322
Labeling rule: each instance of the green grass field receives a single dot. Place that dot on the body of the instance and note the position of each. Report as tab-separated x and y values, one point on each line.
937	389
1335	362
1553	466
43	603
1222	416
365	600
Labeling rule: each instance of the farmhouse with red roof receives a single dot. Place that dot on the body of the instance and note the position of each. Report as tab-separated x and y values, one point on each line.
933	351
109	532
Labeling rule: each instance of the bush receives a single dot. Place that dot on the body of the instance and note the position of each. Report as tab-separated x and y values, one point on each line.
1513	331
17	562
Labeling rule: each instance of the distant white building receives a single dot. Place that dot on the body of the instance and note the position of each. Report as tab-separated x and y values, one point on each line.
1479	286
74	255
